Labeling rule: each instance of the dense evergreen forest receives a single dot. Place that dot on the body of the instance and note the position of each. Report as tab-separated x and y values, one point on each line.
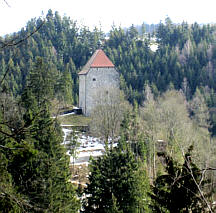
38	68
185	58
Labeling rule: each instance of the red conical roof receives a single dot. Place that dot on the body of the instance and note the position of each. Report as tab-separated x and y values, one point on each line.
98	59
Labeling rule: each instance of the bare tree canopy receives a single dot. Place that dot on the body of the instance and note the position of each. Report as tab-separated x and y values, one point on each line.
108	113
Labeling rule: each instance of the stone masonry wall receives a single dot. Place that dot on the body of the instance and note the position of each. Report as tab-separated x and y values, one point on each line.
96	80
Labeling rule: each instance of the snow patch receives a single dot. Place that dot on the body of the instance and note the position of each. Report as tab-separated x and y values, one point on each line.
70	113
89	146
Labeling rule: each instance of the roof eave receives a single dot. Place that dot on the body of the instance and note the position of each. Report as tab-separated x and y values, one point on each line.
85	72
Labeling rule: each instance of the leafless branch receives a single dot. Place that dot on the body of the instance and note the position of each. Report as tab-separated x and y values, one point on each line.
202	178
5	74
192	175
5	147
198	187
19	201
6	3
209	169
19	131
14	41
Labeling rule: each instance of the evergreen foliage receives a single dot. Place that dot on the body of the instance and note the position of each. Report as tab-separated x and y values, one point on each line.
34	167
185	53
116	182
185	57
177	191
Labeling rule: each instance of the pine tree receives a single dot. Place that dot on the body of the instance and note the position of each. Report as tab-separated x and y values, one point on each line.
65	87
40	169
41	82
116	181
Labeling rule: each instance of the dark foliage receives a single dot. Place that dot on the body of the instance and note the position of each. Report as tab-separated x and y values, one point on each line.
177	190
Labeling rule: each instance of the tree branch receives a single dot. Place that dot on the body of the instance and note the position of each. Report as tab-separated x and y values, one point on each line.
5	74
14	41
192	175
6	3
5	147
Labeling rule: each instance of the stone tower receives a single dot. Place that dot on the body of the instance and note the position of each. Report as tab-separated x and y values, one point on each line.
99	73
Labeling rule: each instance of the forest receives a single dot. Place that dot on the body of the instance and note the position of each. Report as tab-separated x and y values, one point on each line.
165	157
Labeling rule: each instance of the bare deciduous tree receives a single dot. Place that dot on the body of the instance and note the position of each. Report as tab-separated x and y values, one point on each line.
108	113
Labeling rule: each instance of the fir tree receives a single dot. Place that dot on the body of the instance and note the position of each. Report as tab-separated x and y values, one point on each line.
116	182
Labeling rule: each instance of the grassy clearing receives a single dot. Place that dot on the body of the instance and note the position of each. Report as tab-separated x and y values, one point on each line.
76	120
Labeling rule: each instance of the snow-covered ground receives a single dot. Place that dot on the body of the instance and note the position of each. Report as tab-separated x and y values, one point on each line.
89	146
154	47
70	113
